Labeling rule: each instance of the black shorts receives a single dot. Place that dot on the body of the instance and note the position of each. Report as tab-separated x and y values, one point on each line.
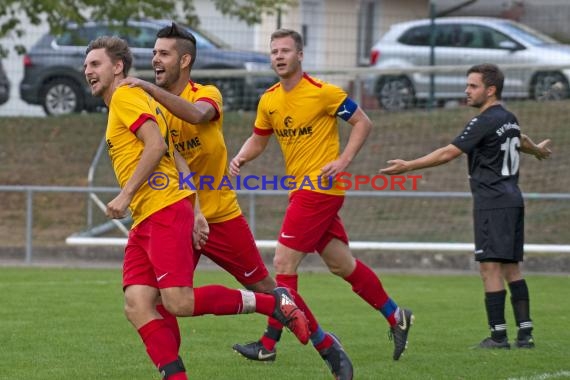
499	234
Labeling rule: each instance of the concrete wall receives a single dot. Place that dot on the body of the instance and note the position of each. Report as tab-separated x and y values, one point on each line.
236	33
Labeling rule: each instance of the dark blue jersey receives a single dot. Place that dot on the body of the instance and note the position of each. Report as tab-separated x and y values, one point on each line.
492	142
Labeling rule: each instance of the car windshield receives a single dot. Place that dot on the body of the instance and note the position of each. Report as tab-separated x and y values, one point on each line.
137	36
530	36
205	40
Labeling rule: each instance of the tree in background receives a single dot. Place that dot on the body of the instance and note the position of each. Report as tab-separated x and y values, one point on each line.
58	13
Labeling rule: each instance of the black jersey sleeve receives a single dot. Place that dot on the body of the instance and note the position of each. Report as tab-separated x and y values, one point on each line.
471	135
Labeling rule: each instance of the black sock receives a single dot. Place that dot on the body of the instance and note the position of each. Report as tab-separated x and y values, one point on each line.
273	333
521	307
495	306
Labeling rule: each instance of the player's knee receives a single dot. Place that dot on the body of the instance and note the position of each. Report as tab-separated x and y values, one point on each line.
343	267
136	312
338	270
130	312
512	273
283	266
178	301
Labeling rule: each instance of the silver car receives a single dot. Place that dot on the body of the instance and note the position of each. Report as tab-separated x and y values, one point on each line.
467	41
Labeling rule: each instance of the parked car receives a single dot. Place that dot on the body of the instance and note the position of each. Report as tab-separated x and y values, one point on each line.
466	41
4	85
53	68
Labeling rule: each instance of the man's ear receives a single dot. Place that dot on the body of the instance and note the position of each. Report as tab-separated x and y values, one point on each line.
491	91
118	67
185	60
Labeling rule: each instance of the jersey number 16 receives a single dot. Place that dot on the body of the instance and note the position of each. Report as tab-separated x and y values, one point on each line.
510	147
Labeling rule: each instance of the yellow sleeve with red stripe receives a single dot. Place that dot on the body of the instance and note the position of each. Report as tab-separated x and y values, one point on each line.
212	95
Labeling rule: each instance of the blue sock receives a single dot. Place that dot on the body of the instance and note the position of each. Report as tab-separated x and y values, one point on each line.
389	308
318	336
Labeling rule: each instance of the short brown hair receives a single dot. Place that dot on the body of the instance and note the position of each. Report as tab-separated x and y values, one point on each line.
492	76
116	48
281	33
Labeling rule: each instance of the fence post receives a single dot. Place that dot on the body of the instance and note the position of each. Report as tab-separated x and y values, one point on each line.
358	96
91	178
29	225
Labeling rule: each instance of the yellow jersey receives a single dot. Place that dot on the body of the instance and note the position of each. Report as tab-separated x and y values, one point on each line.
304	121
128	110
204	148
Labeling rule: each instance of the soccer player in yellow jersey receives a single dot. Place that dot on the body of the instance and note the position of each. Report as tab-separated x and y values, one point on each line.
195	116
158	264
302	113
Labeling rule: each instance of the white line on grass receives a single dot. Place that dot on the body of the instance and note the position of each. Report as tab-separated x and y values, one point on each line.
544	376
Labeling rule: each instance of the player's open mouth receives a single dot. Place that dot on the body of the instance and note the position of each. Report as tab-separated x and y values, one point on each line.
92	82
158	71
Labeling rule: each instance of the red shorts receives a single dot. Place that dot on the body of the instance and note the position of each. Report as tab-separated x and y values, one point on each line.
159	252
312	221
232	246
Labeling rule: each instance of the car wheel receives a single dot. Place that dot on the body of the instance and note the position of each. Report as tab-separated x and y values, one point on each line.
395	93
232	92
550	86
61	97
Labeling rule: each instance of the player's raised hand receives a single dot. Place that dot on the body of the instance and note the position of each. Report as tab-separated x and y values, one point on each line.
542	150
396	167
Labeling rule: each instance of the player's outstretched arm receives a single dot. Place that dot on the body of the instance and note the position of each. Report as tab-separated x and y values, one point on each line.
193	113
541	150
253	147
437	157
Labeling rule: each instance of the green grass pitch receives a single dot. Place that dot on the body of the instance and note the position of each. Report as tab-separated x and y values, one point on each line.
68	324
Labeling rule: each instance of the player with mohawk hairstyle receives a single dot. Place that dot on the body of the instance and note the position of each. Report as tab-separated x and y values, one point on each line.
194	113
158	264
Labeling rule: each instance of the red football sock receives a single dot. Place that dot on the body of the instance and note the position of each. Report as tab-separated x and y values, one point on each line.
290	281
267	342
160	345
171	323
313	324
326	343
219	300
367	285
